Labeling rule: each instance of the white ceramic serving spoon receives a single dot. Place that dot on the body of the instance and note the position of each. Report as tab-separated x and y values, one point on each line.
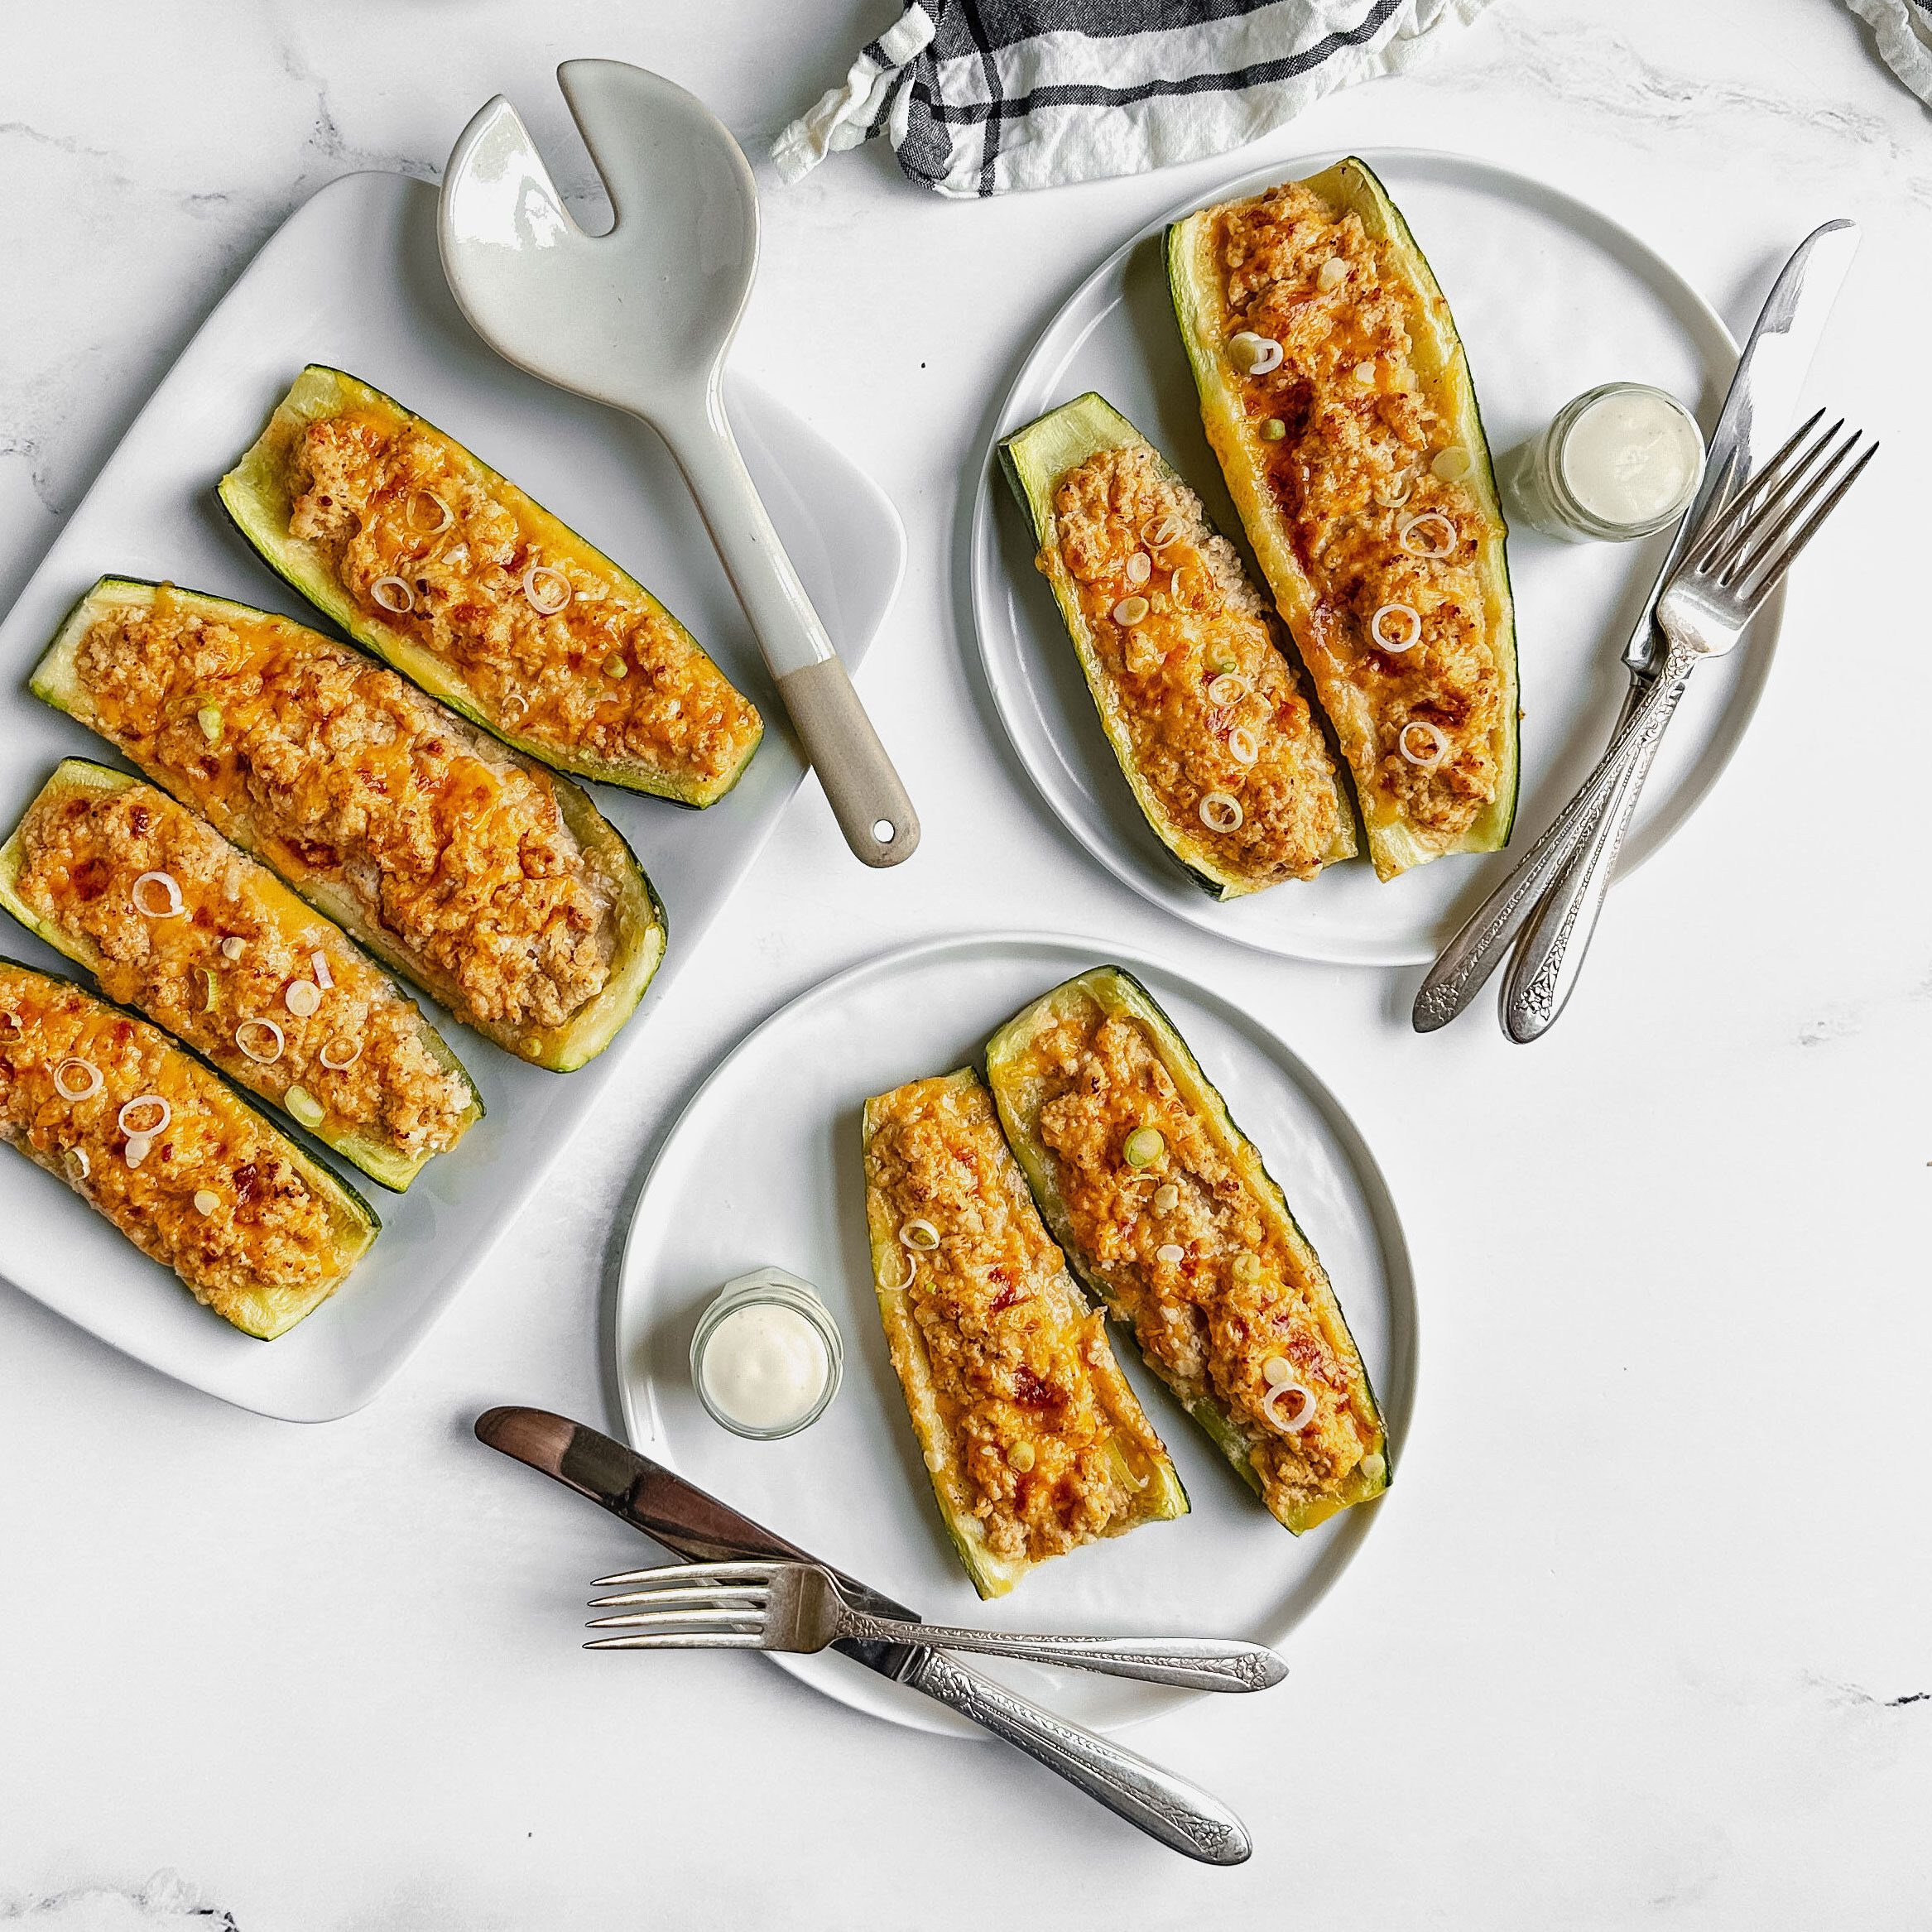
643	319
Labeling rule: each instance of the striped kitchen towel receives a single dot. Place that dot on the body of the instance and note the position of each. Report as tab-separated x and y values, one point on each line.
1903	29
977	97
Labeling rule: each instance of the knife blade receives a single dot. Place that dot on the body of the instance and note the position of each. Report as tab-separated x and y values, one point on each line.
701	1528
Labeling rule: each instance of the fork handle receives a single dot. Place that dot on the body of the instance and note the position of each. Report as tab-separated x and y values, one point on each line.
1188	1663
1549	956
1485	934
1181	1815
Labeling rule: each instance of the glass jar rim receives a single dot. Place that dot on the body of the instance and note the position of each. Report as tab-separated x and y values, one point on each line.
760	1291
1556	481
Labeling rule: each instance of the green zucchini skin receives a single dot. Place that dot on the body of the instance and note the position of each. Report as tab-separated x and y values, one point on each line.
1034	460
272	1310
1117	993
382	1163
642	925
256	496
1163	1498
1193	286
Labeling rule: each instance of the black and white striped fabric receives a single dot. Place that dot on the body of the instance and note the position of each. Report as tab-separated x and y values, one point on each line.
1903	30
978	97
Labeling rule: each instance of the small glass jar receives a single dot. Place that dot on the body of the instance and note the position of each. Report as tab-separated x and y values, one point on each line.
762	1350
1616	462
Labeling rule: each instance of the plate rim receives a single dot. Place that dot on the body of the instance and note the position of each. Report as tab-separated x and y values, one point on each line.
851	1685
983	572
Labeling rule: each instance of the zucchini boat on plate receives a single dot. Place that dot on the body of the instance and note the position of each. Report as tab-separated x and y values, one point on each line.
1336	394
494	884
175	922
1166	1212
451	574
172	1156
1181	656
1035	1440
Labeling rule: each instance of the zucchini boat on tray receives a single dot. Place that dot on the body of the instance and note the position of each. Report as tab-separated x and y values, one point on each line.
172	1156
1181	656
1337	397
448	572
1166	1212
493	884
1034	1441
175	922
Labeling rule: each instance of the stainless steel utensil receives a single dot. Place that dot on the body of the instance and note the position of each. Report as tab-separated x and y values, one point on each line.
1763	398
642	318
1740	555
692	1524
799	1607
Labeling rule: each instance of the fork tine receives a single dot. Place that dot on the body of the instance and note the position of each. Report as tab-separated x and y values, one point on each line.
1778	564
750	1596
693	1642
689	1572
1748	500
676	1619
1785	499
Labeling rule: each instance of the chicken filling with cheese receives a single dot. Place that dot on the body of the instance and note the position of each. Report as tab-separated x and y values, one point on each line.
1372	483
1222	1305
244	972
451	845
1027	1423
557	651
1220	731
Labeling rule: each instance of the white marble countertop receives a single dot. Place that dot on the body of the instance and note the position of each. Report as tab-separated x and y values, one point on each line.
1642	1634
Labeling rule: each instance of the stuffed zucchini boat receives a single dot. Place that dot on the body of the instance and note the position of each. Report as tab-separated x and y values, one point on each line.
1182	656
448	572
1337	397
1033	1440
491	883
174	921
172	1156
1166	1212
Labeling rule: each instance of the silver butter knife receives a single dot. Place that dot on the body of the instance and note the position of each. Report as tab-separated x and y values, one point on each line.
1757	414
1755	418
701	1529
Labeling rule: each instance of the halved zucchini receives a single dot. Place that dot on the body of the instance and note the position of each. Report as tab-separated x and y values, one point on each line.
162	732
87	868
1236	783
1035	1440
1375	432
258	1232
1107	1109
461	558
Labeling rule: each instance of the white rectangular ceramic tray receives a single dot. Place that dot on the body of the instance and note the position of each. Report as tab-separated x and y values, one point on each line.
353	279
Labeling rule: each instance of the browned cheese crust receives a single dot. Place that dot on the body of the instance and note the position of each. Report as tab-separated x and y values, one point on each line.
229	961
1234	1298
259	1220
1213	710
386	497
447	840
1026	1387
1362	453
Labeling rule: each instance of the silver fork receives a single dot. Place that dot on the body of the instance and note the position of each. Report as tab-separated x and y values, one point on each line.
1736	561
799	1607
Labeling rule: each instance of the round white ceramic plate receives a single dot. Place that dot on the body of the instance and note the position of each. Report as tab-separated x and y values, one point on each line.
763	1165
1550	298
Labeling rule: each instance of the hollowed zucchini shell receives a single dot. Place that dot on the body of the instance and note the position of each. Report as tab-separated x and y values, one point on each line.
256	494
1443	371
639	914
1017	1095
376	1158
1035	460
1161	1497
269	1308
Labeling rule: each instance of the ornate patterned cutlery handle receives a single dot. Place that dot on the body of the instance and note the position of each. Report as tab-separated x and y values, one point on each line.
1181	1815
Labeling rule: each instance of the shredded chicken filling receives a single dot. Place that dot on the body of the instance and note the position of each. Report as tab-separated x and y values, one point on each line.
1212	708
1360	452
408	519
1029	1396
